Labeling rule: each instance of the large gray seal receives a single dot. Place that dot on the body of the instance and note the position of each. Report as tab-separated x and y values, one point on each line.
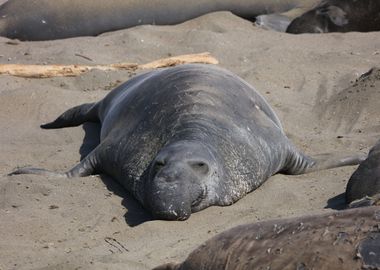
56	19
339	16
349	239
365	181
184	138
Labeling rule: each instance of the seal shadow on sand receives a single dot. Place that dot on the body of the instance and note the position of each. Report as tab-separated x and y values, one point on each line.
337	202
136	214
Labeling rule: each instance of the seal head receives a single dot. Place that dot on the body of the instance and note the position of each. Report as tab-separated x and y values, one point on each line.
179	178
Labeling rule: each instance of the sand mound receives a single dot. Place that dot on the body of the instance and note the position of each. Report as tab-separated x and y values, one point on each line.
355	109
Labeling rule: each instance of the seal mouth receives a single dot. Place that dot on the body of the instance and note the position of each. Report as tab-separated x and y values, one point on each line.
171	215
200	198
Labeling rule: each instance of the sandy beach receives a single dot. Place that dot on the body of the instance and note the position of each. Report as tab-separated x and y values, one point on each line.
312	82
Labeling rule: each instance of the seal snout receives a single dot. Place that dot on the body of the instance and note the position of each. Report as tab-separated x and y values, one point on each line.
178	180
177	187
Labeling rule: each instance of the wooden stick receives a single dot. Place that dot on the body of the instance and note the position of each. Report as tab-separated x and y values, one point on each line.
48	71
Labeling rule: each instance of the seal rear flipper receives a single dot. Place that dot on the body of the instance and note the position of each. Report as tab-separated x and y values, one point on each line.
279	21
85	168
299	163
275	21
75	116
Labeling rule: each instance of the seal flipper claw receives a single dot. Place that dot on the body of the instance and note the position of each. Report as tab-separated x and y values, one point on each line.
75	117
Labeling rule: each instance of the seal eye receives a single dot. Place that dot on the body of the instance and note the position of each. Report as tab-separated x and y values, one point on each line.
199	166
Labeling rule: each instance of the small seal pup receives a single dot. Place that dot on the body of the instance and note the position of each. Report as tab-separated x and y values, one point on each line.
339	16
348	239
184	138
365	181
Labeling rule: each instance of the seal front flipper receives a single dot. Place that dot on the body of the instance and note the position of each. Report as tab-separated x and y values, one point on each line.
86	167
75	116
298	163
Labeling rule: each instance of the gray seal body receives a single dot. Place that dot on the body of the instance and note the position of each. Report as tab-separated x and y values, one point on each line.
339	16
56	19
184	138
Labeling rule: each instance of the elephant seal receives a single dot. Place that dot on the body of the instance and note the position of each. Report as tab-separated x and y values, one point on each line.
339	16
47	19
349	239
365	181
187	137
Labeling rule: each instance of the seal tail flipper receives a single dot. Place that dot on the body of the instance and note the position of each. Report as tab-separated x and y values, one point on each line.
299	163
275	22
278	21
85	168
75	116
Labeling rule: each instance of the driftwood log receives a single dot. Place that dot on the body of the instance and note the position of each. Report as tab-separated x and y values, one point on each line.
47	71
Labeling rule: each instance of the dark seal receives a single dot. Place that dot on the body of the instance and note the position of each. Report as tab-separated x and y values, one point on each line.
349	239
339	16
184	138
365	181
48	19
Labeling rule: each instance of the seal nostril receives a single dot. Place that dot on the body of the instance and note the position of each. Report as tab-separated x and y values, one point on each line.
158	165
199	166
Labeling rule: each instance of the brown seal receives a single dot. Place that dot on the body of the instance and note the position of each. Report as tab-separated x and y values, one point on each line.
349	239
